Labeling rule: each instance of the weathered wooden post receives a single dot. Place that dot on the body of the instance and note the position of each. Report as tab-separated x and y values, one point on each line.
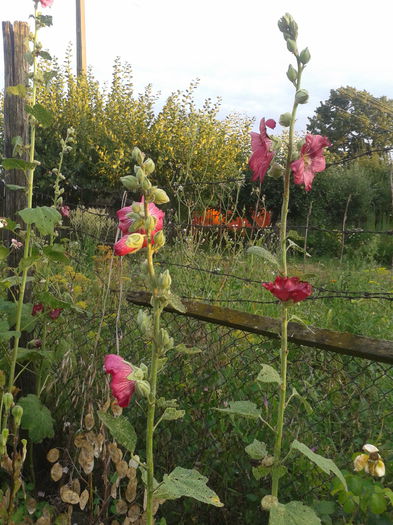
15	38
80	37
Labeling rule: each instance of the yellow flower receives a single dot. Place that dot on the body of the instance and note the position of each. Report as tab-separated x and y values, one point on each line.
81	304
370	462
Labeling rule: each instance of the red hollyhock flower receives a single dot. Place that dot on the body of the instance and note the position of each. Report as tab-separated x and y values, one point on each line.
311	160
64	211
54	314
122	388
129	243
261	155
37	309
289	289
46	3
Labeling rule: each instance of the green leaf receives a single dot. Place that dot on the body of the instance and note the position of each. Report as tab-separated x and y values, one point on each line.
27	262
4	251
44	217
45	20
242	408
29	58
265	254
268	374
377	503
18	91
36	418
17	164
256	449
171	414
121	429
48	76
14	187
6	335
45	55
325	464
293	513
55	252
43	116
261	471
175	302
190	483
183	349
308	408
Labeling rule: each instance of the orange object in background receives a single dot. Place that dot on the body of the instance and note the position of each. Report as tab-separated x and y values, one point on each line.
213	217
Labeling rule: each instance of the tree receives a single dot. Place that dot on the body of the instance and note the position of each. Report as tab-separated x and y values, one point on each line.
355	122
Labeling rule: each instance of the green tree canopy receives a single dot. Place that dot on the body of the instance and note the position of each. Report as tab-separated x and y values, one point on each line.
355	122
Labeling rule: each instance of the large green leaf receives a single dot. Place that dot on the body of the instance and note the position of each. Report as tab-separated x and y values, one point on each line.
325	464
242	408
10	308
268	374
44	217
121	429
293	513
4	251
17	164
43	116
265	254
36	418
19	90
190	483
175	302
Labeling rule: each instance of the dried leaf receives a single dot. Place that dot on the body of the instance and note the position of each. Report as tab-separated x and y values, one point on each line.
86	459
56	472
131	490
83	499
6	464
114	488
121	506
53	455
69	496
89	421
79	440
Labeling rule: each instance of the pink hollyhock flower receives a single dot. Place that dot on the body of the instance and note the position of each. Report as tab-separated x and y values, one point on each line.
64	211
122	388
129	244
261	154
289	289
311	160
54	314
125	221
46	3
37	309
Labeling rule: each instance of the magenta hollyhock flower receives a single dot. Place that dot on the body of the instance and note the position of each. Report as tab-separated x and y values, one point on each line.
289	289
261	150
54	314
64	211
122	388
46	3
129	244
311	160
125	221
37	309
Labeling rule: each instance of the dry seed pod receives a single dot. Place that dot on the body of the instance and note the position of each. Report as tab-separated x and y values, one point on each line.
53	455
122	468
56	472
131	490
83	499
131	473
115	522
89	421
76	486
116	410
121	506
31	505
114	488
126	521
69	496
86	460
44	520
79	440
134	513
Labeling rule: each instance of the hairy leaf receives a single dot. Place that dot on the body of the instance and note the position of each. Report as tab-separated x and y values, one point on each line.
44	218
293	513
121	429
268	374
242	408
36	418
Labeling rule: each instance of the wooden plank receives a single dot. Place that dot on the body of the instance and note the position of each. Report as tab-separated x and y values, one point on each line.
339	342
80	38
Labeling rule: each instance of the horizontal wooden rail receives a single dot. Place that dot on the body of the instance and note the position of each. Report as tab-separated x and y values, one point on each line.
339	342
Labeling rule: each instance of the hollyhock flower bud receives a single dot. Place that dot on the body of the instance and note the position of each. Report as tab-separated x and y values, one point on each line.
301	96
65	211
138	156
268	502
130	182
291	46
122	388
289	289
285	120
17	413
37	309
149	166
55	313
146	184
305	56
8	400
129	244
276	170
159	239
160	196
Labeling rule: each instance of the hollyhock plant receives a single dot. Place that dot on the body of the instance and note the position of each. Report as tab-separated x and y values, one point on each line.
125	221
261	150
64	211
122	388
311	160
289	289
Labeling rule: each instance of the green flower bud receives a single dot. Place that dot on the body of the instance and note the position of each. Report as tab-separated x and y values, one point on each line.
305	56
138	156
4	436
138	208
145	370
285	120
288	27
160	196
146	184
143	388
301	96
165	280
149	166
130	182
292	47
276	143
17	413
140	174
268	502
292	74
150	222
135	241
276	170
145	323
8	400
159	240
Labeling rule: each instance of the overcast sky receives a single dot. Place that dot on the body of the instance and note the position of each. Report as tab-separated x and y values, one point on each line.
233	47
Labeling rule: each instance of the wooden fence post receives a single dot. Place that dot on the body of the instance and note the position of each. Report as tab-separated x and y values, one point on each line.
15	39
80	38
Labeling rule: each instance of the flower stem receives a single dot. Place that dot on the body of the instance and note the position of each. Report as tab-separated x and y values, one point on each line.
30	180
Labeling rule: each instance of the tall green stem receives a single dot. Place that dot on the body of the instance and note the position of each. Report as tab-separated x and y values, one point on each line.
30	180
284	307
155	354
